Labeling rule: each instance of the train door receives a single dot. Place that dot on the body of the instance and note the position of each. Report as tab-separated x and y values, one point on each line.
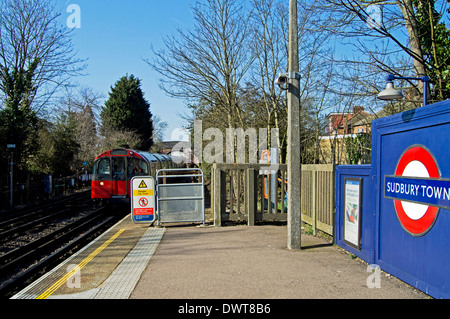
101	179
119	176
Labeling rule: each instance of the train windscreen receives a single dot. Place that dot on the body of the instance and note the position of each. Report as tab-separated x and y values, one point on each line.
102	169
136	167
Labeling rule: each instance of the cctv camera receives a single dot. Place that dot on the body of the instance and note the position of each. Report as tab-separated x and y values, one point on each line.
282	80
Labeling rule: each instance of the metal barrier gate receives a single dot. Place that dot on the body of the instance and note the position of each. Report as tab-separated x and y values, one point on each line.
180	195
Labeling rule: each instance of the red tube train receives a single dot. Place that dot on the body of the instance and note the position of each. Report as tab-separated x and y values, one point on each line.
114	169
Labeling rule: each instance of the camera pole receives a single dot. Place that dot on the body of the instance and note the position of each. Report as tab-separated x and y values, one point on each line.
293	142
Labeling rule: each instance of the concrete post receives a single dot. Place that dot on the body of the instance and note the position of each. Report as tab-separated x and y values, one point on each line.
219	194
293	143
251	196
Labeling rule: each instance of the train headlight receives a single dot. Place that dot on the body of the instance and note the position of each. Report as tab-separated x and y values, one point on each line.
101	183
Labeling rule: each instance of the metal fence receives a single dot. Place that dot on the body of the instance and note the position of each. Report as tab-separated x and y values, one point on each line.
246	192
41	187
180	195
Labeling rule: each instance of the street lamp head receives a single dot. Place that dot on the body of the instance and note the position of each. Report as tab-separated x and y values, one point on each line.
390	93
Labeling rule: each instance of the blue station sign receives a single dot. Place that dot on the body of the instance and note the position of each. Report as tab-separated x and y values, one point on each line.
434	192
418	190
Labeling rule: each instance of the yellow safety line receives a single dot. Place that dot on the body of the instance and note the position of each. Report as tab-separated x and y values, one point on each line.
85	261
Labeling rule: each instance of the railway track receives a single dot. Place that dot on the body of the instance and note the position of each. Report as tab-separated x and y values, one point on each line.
37	240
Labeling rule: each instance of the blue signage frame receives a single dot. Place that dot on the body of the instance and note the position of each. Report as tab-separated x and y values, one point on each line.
366	243
421	260
405	211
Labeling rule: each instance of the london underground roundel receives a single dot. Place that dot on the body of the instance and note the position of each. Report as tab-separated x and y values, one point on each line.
417	190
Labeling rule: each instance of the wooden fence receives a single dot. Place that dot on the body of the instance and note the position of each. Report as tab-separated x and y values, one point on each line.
317	191
251	193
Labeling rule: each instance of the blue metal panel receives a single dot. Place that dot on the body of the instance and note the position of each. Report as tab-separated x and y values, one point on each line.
422	260
367	243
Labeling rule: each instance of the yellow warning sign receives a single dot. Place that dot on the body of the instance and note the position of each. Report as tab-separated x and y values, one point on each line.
142	184
143	201
144	192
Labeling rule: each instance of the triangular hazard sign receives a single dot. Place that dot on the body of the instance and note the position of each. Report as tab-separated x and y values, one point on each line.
142	184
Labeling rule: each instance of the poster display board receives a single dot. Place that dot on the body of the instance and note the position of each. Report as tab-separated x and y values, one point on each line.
352	211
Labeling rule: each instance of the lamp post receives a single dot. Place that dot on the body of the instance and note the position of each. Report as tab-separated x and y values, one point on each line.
11	148
291	81
293	142
390	93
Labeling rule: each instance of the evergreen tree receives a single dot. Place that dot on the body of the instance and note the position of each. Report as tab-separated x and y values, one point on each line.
17	120
65	145
127	110
434	36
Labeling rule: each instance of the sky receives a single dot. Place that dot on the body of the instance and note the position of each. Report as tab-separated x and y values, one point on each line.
115	36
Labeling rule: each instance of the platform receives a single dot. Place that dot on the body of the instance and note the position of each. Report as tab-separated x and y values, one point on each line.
136	261
108	268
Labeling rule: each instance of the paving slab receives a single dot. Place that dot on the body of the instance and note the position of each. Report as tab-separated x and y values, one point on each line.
236	262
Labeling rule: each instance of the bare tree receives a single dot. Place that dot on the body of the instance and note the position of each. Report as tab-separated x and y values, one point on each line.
36	52
387	37
207	64
269	41
315	63
84	104
159	128
113	138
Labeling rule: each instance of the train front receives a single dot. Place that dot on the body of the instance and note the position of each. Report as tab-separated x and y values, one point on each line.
113	171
